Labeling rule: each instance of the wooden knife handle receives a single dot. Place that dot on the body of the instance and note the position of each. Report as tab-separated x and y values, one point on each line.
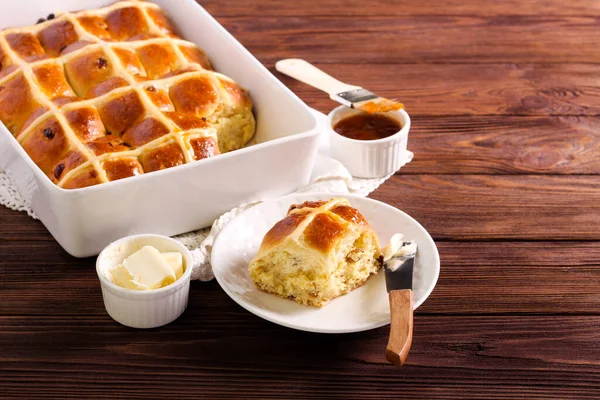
401	327
306	72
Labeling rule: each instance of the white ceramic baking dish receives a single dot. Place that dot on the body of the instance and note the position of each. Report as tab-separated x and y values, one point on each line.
187	197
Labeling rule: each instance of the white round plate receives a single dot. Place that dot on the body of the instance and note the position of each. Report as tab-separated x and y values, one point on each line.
364	308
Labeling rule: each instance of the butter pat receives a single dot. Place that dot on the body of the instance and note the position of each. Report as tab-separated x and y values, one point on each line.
398	248
147	269
123	278
175	261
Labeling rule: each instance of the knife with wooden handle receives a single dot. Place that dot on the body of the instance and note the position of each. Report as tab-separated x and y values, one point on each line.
399	264
348	95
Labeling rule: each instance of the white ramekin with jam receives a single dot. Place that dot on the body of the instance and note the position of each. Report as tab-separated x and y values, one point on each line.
369	145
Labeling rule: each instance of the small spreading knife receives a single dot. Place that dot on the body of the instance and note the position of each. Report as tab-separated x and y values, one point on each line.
348	95
399	261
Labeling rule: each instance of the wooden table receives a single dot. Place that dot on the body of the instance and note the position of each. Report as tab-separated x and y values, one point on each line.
505	101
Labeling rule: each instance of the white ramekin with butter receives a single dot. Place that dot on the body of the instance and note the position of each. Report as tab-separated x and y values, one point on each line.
145	280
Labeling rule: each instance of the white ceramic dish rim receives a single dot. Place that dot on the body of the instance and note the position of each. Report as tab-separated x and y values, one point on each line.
258	312
404	130
145	294
250	58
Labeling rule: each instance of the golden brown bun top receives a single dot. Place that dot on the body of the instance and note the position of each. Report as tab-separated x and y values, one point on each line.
100	95
317	224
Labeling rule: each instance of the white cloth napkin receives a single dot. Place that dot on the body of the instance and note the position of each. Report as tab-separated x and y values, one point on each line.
328	175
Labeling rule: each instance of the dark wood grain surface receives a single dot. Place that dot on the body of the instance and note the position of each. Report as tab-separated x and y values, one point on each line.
505	102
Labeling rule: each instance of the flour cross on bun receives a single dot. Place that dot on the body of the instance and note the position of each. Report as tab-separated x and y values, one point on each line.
319	251
99	95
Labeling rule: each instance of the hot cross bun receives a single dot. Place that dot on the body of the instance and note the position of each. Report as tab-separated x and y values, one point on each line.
319	251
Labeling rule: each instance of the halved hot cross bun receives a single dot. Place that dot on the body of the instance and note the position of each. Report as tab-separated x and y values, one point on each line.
319	251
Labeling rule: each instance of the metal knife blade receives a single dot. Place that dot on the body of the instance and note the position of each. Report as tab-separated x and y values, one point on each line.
399	271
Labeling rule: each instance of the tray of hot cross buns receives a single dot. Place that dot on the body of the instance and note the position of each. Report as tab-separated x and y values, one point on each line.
140	116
